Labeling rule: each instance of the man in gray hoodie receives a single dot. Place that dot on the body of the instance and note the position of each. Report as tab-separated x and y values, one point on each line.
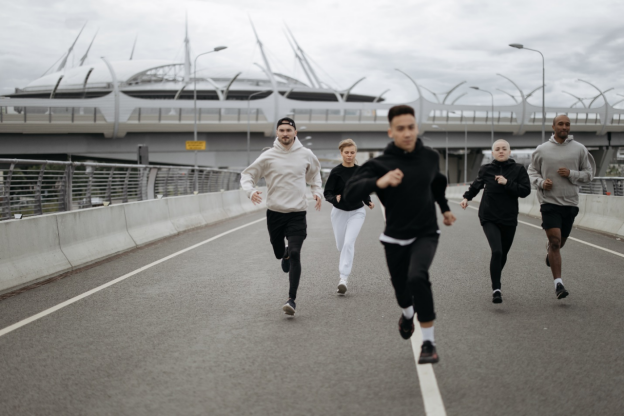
287	167
557	168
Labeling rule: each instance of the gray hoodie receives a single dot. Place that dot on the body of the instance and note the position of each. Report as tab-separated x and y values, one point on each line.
548	158
286	173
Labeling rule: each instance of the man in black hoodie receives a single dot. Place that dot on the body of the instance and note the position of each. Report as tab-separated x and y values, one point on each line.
408	182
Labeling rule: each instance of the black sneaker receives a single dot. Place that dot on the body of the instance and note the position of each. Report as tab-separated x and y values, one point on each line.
561	291
497	297
286	261
289	307
428	354
342	288
406	327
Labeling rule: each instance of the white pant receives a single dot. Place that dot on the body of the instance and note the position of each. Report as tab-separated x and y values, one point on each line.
347	226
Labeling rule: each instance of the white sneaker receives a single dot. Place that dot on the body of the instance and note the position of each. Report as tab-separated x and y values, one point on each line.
342	288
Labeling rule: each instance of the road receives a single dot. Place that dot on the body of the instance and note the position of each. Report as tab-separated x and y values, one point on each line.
202	332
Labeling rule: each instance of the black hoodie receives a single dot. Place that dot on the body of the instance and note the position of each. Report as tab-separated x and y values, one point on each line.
336	182
499	203
410	207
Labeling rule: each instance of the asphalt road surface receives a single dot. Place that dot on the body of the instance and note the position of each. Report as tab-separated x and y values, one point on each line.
202	333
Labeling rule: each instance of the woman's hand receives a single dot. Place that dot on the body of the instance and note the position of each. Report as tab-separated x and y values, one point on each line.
500	179
338	198
464	203
371	205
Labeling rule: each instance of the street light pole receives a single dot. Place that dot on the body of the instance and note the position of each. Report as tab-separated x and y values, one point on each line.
491	95
217	49
520	46
249	125
466	154
435	126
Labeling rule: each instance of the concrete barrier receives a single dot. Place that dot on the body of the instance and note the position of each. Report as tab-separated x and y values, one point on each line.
232	203
526	204
93	234
148	221
596	212
211	207
184	212
30	250
602	213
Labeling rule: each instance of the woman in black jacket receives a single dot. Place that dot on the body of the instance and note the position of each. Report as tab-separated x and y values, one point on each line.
347	216
504	181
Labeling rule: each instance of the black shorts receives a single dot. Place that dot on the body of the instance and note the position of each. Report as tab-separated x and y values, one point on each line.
558	216
287	224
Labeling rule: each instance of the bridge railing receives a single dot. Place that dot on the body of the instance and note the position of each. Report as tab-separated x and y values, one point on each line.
604	186
35	187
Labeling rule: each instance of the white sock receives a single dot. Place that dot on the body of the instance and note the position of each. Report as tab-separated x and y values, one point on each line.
497	290
558	280
408	312
427	334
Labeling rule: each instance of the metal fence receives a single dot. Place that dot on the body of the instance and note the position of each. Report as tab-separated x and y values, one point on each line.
35	187
604	186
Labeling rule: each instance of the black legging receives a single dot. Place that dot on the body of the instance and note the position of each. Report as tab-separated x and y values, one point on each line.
294	252
500	238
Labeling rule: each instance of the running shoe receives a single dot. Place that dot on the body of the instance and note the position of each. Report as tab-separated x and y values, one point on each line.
547	261
406	327
289	307
428	354
561	291
286	261
497	297
342	288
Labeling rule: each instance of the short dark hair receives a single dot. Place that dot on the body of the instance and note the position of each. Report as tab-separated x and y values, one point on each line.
399	110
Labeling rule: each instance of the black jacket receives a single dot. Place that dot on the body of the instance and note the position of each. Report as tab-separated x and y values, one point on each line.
499	203
410	207
338	178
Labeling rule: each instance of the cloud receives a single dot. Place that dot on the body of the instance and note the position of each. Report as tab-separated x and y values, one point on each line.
438	43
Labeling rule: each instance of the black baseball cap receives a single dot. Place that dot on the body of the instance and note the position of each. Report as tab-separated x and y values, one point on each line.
287	120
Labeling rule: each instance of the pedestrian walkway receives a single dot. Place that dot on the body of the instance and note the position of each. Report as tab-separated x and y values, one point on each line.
202	332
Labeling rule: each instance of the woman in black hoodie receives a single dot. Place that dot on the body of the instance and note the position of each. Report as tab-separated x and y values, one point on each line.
504	182
348	215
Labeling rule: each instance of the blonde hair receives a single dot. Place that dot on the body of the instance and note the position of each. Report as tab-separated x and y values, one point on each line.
346	143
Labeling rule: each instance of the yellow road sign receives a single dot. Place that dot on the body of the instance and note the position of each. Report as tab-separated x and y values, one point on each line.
196	145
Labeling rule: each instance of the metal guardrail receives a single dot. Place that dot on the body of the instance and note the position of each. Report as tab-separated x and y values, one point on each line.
604	186
36	187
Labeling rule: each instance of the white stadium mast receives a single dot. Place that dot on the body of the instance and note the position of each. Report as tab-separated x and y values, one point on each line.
71	48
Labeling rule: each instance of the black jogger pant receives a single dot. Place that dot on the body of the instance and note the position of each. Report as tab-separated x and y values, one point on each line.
500	238
293	227
409	273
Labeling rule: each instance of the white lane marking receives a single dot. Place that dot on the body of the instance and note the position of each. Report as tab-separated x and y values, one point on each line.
428	382
75	299
432	399
569	238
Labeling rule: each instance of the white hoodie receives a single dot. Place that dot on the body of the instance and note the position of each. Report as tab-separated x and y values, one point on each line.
286	172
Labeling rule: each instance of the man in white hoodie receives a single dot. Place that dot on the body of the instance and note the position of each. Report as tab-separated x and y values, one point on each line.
557	168
287	167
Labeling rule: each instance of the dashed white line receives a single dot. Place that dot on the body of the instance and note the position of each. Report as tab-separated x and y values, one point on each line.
75	299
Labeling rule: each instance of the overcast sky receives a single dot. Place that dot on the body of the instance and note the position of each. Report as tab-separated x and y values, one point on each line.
438	42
